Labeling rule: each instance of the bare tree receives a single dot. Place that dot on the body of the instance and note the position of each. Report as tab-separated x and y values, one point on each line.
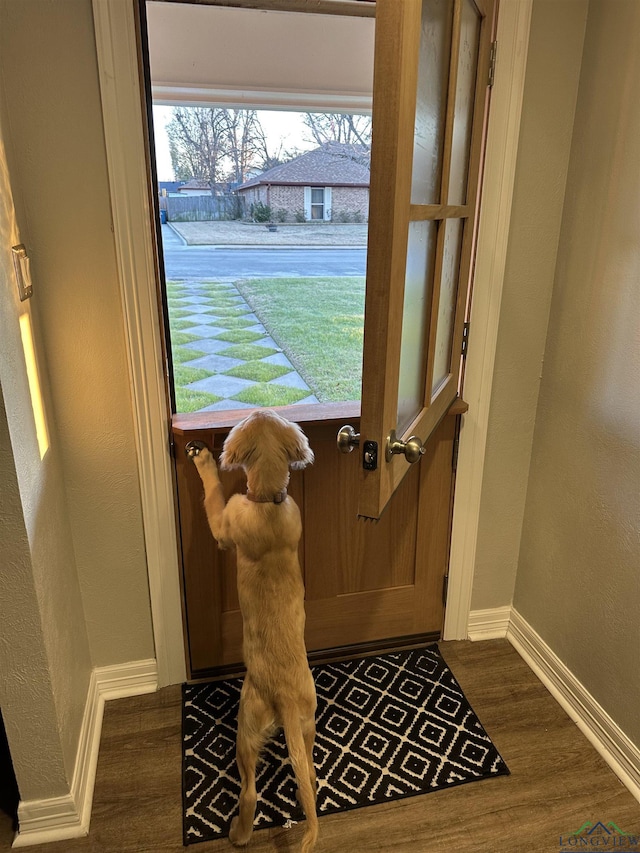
244	140
198	142
338	127
215	144
269	157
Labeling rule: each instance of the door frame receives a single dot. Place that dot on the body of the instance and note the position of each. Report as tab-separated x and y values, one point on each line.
132	211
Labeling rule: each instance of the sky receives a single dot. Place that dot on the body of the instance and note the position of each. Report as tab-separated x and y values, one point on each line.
278	125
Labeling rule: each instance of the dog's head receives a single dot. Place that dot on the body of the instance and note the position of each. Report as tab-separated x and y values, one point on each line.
266	440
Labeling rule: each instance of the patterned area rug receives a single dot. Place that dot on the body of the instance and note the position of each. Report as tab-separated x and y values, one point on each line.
388	727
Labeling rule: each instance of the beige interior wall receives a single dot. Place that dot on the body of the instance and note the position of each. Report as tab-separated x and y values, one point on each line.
44	649
28	706
55	146
551	84
578	581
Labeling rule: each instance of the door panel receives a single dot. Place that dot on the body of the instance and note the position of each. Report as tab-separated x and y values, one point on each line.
430	99
365	582
341	556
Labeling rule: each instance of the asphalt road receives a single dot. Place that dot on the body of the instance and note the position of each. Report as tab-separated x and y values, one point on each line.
183	261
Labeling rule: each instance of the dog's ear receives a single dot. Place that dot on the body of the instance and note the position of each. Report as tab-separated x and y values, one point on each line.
296	446
237	451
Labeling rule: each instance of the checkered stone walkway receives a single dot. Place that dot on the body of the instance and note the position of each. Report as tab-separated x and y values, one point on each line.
223	357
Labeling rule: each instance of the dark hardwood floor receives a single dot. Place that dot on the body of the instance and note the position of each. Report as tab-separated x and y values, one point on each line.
557	781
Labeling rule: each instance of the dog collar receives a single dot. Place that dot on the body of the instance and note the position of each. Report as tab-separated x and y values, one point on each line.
275	499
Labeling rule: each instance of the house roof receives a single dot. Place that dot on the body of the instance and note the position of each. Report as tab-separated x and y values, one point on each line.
332	164
194	184
170	186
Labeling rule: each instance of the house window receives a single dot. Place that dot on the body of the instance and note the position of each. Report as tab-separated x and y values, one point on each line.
317	203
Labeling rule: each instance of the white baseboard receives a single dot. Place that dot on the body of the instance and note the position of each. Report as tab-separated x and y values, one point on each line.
127	679
59	818
53	819
622	756
491	624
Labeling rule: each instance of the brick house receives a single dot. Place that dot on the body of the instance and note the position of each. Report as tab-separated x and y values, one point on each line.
330	183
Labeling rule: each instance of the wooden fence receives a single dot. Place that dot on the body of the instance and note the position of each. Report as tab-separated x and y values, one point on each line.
198	208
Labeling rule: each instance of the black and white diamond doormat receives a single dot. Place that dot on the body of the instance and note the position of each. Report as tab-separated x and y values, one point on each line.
388	727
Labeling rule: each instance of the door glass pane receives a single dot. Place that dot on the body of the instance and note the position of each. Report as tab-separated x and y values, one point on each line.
415	322
431	104
465	91
448	297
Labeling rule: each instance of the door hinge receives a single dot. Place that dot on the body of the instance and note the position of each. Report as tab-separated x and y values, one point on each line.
445	589
492	62
465	339
456	449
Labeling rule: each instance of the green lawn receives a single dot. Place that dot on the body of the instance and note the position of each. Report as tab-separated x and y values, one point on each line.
319	323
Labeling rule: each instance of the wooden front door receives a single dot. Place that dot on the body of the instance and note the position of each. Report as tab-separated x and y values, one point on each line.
367	583
375	583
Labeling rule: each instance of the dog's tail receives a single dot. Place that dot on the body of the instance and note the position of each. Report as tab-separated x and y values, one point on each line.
305	776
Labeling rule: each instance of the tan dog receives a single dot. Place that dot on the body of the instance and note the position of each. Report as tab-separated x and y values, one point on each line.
264	527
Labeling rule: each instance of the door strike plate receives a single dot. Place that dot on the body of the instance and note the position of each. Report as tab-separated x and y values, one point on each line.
370	455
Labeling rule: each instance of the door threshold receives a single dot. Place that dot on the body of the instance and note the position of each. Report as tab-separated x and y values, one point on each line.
332	655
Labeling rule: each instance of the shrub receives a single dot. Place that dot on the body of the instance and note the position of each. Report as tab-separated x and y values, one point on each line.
261	212
281	215
299	216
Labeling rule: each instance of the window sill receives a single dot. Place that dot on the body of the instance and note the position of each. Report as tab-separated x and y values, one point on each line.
323	413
